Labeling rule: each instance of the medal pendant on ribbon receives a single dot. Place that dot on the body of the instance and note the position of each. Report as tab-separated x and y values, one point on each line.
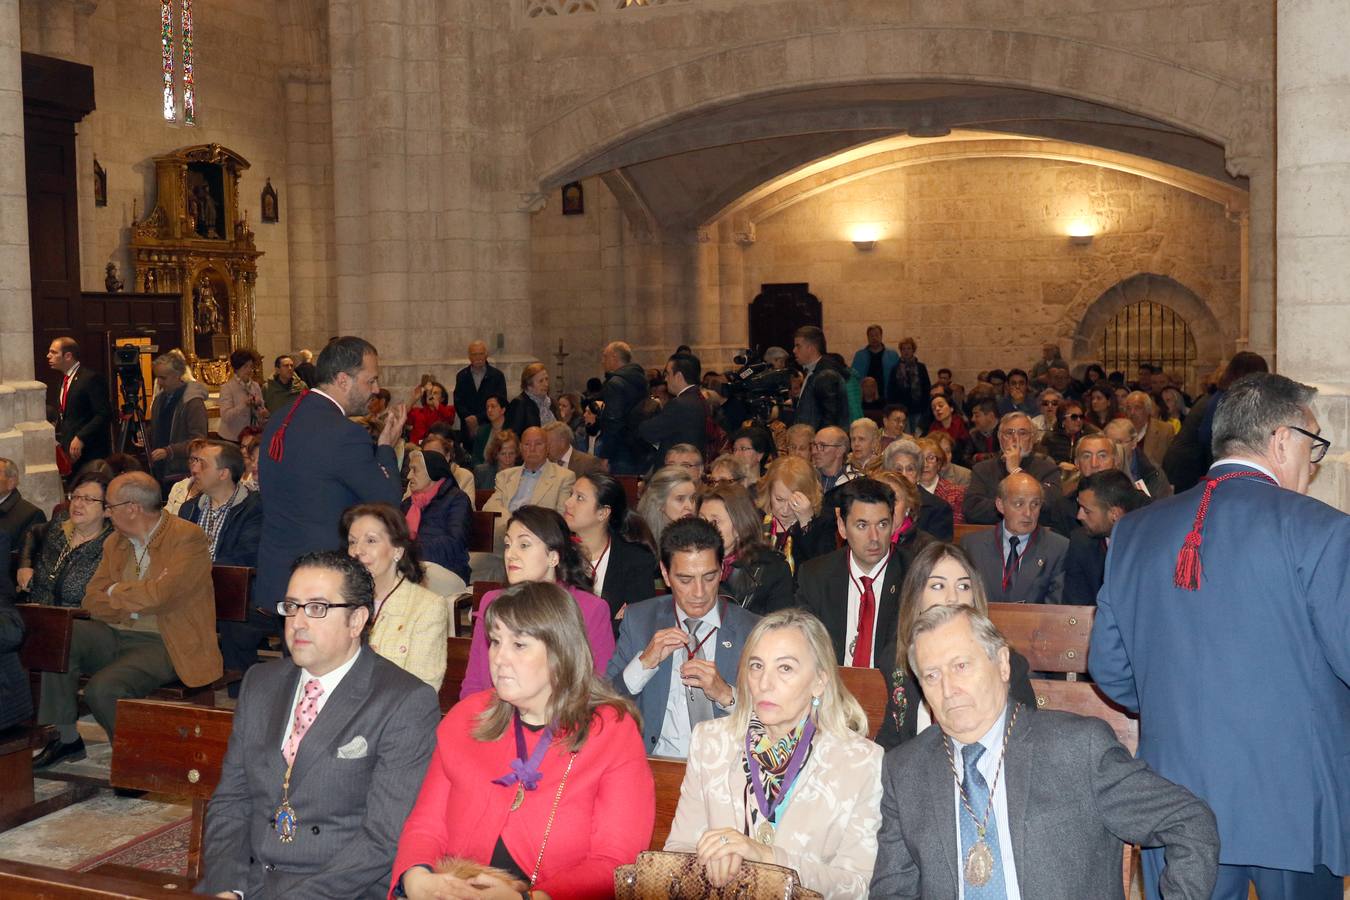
520	797
764	833
979	864
286	822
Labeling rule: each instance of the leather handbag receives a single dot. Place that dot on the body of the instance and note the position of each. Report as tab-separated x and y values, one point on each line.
680	876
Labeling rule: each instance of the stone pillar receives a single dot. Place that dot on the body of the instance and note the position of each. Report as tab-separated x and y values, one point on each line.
1312	228
25	436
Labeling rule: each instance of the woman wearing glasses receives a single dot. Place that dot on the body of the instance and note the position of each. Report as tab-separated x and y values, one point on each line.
1069	426
67	552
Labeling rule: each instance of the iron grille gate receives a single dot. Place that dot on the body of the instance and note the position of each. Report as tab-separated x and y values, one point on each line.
1149	333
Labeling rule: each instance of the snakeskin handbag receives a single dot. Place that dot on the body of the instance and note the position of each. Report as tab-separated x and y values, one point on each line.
679	876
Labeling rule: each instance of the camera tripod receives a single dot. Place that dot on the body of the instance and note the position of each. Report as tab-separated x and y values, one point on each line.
132	415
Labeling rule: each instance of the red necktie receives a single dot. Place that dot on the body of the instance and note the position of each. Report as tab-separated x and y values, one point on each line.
65	388
862	649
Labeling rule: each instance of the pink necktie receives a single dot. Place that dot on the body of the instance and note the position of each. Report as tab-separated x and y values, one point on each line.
306	711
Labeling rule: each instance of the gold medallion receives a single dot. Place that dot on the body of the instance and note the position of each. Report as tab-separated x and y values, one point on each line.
979	864
764	833
520	797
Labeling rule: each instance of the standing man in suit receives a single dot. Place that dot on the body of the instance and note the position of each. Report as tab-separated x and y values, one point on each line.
17	515
558	441
326	754
624	391
1240	667
1103	499
474	384
1016	437
677	655
84	412
855	590
682	419
824	396
1052	827
315	462
1020	561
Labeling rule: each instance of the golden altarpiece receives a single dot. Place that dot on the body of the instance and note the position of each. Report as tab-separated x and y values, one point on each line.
195	242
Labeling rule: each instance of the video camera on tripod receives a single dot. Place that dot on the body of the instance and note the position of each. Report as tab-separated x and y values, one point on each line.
757	384
126	360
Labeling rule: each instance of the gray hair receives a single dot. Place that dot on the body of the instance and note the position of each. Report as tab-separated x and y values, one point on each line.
1015	414
1253	407
683	448
1148	401
622	352
775	353
867	425
8	467
986	633
138	488
174	361
902	447
732	464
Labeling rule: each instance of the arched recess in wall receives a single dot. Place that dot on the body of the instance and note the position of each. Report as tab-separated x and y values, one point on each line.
1151	288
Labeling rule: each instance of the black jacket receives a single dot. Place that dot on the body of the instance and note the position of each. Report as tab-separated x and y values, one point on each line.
760	581
1084	568
815	540
472	401
822	588
824	398
629	578
522	413
625	388
239	536
17	515
681	421
16	697
904	696
915	401
443	535
935	516
88	414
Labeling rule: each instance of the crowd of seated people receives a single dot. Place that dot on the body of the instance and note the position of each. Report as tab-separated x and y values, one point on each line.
706	622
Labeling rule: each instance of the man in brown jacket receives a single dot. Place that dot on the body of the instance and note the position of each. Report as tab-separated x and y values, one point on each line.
153	617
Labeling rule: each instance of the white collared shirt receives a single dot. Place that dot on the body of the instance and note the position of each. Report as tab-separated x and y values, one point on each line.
601	568
329	682
1250	464
566	459
1023	541
878	576
675	728
329	399
988	766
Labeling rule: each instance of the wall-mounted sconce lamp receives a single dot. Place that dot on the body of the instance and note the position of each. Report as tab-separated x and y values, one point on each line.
1081	232
864	237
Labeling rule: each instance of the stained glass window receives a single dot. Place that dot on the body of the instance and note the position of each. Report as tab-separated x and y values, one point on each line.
166	56
166	60
189	89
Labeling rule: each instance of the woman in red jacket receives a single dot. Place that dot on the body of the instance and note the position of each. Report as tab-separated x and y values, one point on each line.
428	407
544	776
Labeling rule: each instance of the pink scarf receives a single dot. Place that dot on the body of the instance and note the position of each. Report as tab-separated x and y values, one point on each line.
420	499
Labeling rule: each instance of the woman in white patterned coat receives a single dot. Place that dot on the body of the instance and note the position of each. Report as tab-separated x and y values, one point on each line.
789	777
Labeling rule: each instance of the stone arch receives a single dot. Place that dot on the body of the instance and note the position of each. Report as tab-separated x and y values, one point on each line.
1212	342
1199	103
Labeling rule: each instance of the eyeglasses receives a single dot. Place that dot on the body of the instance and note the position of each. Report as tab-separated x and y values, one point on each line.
1073	415
818	445
1320	445
83	498
314	609
115	505
1021	433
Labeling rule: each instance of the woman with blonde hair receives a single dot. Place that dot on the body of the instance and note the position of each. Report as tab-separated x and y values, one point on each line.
668	496
941	573
543	776
789	777
794	525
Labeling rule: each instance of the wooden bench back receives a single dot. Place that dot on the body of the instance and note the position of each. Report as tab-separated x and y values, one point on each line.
1052	638
1086	699
482	530
632	488
668	775
28	881
868	686
456	665
481	496
963	530
47	631
234	591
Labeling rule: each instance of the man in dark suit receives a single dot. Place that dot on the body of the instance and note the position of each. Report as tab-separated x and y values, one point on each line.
84	411
17	515
1240	667
683	418
824	397
855	590
1053	825
326	754
1103	499
1016	436
315	462
16	695
690	634
1018	560
558	445
474	384
230	514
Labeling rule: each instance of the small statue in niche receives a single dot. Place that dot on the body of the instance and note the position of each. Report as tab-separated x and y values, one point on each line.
111	284
207	318
151	281
203	213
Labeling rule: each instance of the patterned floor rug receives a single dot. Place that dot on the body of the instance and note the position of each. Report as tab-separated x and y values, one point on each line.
161	850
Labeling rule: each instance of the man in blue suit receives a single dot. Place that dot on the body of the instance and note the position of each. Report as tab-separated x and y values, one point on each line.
1240	667
314	463
677	654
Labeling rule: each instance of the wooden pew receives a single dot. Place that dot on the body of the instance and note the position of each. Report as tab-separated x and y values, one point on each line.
481	496
868	686
28	881
467	607
234	592
47	632
632	488
1087	700
963	530
668	775
456	665
482	531
1053	638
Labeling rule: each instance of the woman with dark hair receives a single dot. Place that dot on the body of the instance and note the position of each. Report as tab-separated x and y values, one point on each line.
241	400
1070	424
496	421
755	576
544	777
1100	401
538	546
65	552
532	407
947	419
754	448
1094	374
570	413
428	405
438	512
410	624
941	573
615	542
503	452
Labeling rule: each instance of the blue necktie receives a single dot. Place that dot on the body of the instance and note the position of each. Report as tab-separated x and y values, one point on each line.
977	793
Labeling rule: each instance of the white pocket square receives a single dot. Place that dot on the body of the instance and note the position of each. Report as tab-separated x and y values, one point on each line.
354	749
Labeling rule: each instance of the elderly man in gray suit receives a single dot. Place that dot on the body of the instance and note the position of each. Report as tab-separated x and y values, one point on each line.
1002	801
1019	561
326	755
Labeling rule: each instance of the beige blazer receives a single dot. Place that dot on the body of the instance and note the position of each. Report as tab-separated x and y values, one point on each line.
554	484
1156	441
828	832
411	630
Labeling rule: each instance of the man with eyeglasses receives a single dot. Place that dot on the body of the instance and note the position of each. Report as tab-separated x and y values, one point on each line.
152	617
1016	437
326	754
1092	454
829	454
1224	620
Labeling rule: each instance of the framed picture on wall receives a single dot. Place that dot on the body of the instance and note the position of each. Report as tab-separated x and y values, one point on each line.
270	209
100	185
573	199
